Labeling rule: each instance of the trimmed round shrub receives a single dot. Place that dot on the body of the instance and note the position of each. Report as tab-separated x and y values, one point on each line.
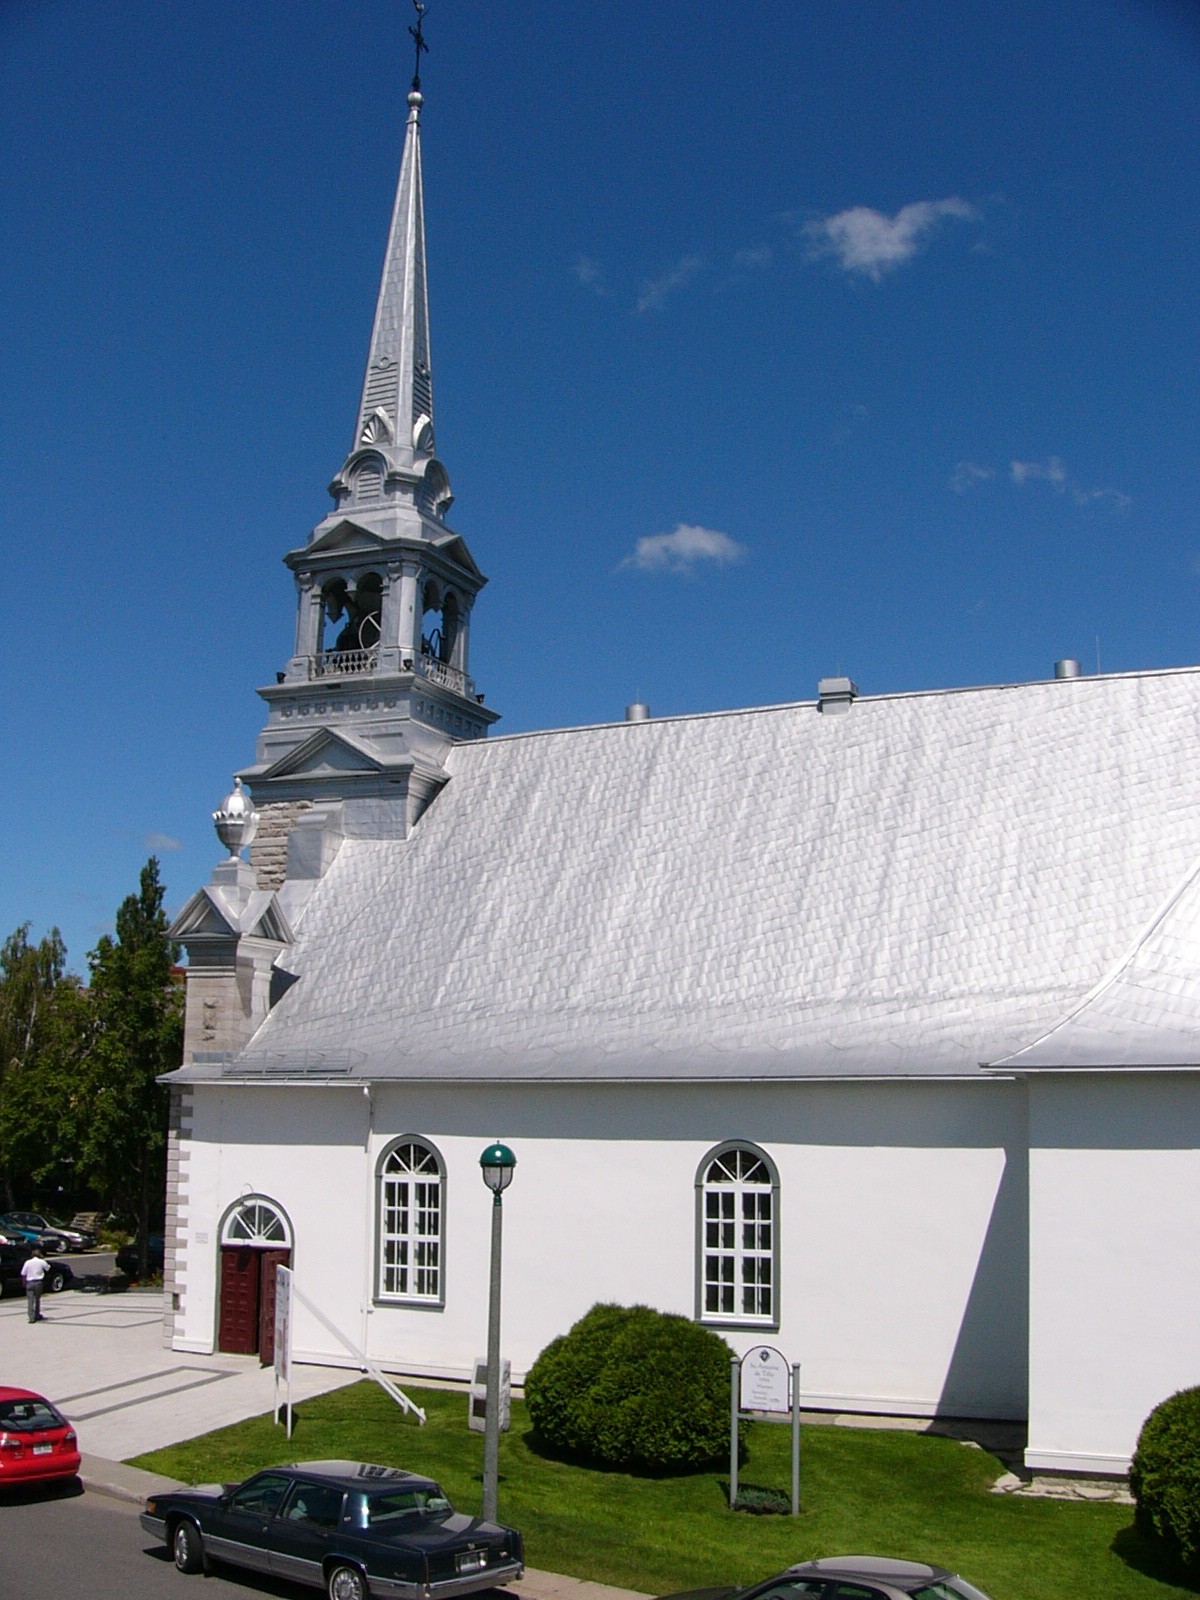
1165	1477
634	1388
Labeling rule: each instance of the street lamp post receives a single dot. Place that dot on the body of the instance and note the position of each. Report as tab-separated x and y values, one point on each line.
496	1163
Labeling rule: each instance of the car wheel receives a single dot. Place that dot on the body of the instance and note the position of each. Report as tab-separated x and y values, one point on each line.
56	1279
186	1547
346	1583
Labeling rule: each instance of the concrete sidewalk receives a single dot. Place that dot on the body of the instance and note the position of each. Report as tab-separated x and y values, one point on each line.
101	1358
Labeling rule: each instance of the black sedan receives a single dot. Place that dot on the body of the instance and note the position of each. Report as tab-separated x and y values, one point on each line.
852	1578
14	1256
353	1530
127	1256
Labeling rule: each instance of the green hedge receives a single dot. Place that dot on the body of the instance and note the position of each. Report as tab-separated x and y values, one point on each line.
1165	1477
633	1388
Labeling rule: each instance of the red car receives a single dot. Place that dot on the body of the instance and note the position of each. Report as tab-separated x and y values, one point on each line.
36	1441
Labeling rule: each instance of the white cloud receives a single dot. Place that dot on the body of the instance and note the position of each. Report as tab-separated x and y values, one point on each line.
590	274
1053	472
1110	499
967	474
156	842
655	291
759	255
682	550
1050	471
866	241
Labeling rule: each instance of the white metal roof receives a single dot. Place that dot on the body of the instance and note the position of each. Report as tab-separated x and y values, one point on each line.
921	884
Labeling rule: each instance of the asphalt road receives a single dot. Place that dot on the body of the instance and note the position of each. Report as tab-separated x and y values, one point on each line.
55	1548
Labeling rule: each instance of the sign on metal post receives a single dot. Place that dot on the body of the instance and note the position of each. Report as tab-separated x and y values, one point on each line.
478	1401
761	1382
283	1339
765	1380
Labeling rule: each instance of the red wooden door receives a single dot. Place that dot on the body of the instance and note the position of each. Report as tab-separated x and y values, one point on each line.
237	1325
269	1260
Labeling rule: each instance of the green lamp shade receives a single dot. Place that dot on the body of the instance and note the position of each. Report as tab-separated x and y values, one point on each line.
497	1163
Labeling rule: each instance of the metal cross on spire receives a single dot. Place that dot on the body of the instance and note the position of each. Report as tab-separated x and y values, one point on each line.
418	41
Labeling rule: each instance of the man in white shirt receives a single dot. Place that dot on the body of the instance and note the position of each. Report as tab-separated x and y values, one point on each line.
34	1270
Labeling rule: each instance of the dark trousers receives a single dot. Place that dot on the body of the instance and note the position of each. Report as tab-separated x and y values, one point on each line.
33	1301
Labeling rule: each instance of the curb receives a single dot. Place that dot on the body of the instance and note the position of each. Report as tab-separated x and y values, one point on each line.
119	1482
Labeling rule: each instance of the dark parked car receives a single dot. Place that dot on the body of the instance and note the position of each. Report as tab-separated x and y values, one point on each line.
53	1236
853	1578
14	1256
127	1256
353	1530
18	1231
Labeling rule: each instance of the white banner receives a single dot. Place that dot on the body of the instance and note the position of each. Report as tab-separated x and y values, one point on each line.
283	1324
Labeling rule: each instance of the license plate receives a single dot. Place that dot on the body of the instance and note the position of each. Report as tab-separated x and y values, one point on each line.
472	1560
42	1449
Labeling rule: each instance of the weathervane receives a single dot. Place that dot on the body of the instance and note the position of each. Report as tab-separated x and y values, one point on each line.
419	41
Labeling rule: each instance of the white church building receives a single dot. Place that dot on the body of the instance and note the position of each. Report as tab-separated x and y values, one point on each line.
867	1027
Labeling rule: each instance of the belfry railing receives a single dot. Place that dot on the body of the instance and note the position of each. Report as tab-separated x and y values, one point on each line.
342	663
356	663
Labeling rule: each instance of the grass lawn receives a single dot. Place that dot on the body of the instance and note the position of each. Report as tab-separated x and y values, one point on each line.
892	1493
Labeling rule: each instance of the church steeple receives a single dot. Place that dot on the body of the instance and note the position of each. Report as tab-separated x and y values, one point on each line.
378	686
395	411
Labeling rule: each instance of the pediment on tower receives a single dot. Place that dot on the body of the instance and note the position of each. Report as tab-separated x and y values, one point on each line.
345	534
454	547
325	753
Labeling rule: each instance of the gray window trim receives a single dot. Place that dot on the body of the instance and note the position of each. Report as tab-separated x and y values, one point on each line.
409	1303
771	1323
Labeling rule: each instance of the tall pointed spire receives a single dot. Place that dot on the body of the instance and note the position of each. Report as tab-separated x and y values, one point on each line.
397	394
391	471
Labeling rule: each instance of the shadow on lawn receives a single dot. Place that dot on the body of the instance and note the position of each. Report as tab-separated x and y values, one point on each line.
1146	1557
548	1452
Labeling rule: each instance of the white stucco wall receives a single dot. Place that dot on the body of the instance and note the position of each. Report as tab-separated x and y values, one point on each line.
1114	1292
902	1221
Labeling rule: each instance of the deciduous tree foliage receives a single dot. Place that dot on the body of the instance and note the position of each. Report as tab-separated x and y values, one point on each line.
138	1011
82	1089
30	976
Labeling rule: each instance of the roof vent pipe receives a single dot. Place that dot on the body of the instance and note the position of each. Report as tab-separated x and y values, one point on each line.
1069	668
639	711
835	694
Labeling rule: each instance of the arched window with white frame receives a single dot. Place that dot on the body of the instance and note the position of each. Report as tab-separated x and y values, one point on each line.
410	1263
737	1237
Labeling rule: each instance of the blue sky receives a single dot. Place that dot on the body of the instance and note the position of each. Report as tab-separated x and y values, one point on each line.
770	342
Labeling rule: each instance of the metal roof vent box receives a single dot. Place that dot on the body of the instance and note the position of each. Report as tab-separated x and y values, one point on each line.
834	695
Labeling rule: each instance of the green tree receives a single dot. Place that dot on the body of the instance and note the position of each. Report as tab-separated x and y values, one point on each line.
46	1096
30	978
137	1007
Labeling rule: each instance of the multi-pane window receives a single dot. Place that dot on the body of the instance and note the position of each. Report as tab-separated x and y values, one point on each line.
410	1223
738	1242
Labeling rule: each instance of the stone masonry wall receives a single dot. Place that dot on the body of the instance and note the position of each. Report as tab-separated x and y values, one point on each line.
268	853
179	1129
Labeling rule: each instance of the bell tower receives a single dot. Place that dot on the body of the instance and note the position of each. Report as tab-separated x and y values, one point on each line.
378	686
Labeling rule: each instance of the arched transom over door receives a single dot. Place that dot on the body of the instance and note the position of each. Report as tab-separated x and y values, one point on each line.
255	1239
258	1223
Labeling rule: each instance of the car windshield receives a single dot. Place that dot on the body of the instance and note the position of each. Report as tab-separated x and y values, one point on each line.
28	1416
394	1505
948	1589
